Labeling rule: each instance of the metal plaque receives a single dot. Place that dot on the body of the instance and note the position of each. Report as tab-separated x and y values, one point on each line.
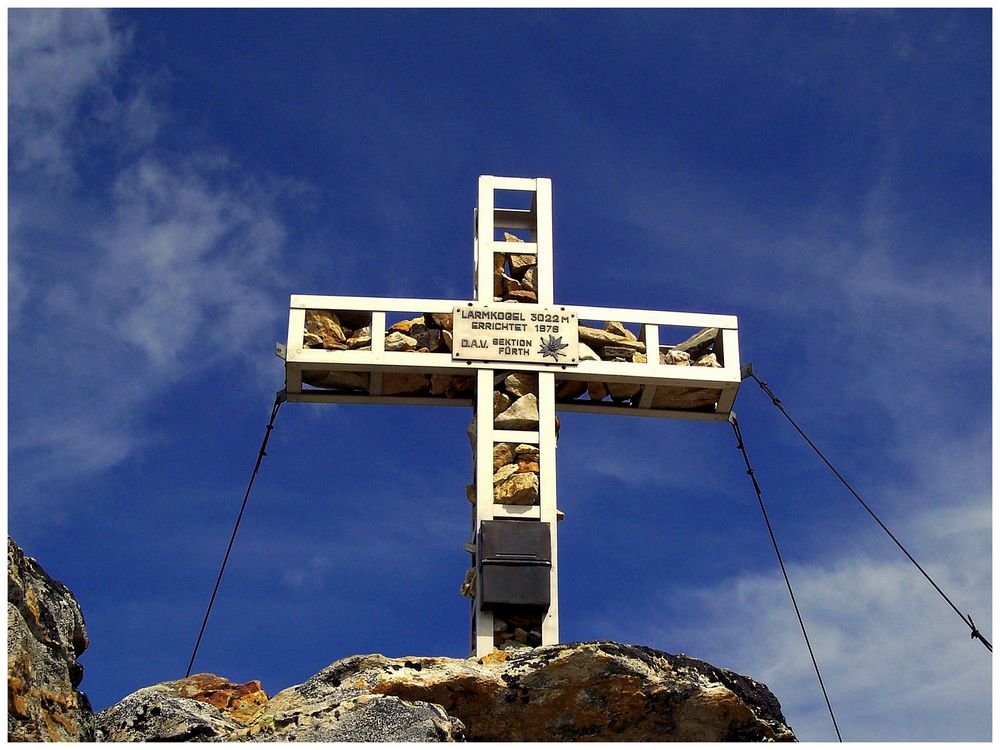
515	333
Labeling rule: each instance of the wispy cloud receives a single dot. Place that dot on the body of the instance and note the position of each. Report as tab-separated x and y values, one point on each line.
164	260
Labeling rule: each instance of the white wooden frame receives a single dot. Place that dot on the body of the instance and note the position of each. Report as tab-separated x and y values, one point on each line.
651	375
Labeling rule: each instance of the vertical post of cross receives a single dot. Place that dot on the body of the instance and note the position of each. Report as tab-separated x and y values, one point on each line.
490	253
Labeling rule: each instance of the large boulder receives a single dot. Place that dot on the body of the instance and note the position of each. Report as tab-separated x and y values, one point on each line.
602	691
45	635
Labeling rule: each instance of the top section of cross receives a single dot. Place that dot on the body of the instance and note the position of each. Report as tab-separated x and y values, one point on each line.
428	351
513	210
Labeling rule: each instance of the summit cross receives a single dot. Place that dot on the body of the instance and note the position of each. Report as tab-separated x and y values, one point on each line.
516	357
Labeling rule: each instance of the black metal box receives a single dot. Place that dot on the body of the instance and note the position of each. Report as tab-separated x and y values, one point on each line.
515	564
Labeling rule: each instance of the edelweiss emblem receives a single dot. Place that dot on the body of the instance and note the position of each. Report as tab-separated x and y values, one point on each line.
552	348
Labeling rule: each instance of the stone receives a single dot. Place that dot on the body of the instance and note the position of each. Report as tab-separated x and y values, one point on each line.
526	450
508	237
521	384
337	379
46	634
504	473
535	638
200	707
470	493
707	360
404	383
570	389
404	326
618	329
530	279
597	391
520	415
511	285
522	635
639	358
426	338
447	338
360	339
617	353
595	337
460	385
623	391
326	325
499	260
700	343
503	455
685	398
468	587
519	489
440	383
443	321
675	357
312	340
522	295
336	705
500	402
598	691
586	353
527	464
400	342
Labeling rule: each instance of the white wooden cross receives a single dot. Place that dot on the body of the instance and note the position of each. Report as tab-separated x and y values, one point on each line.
661	384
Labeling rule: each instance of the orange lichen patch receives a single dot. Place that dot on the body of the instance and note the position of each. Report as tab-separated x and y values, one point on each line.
494	657
240	702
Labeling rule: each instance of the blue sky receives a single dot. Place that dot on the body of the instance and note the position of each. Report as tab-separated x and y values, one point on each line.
823	175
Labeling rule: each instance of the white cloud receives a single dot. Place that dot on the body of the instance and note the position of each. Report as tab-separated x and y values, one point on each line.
149	277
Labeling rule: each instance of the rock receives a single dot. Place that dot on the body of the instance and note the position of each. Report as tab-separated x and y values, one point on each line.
521	415
440	383
519	489
426	338
199	707
470	493
405	326
503	455
586	353
527	463
617	353
601	691
508	237
326	325
623	391
400	342
361	338
444	321
511	285
699	344
571	389
337	379
46	633
404	383
504	473
618	329
530	279
499	260
597	391
336	706
460	385
522	295
684	398
500	402
707	360
639	358
526	450
521	383
447	338
675	357
595	337
312	340
468	588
